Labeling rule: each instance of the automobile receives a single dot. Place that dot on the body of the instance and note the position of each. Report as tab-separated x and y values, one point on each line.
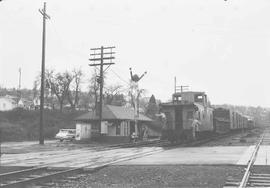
66	134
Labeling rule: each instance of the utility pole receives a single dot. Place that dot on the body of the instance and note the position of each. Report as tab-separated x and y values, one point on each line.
101	54
19	86
182	88
0	145
20	75
175	84
45	16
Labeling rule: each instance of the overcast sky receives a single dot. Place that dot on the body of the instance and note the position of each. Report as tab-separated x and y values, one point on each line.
220	47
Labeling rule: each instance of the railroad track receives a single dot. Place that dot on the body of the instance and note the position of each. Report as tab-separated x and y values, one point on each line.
252	176
43	176
24	178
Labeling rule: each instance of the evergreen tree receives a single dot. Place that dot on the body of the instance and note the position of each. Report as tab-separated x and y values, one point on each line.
152	107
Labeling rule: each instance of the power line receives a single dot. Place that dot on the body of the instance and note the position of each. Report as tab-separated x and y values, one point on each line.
120	77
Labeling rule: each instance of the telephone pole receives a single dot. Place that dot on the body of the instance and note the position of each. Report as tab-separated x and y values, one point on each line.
19	87
181	88
102	55
45	16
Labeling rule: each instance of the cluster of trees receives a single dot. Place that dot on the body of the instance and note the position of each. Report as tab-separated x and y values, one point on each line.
68	90
62	88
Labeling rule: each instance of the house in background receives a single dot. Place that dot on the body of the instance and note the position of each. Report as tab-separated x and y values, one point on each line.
117	125
8	103
26	104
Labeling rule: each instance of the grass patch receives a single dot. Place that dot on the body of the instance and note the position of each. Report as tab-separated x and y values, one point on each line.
20	124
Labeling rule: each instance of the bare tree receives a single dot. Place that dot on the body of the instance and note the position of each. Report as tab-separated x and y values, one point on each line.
94	87
114	96
59	84
36	86
75	88
48	96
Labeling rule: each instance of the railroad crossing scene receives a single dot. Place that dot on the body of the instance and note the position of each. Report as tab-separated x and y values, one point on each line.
134	94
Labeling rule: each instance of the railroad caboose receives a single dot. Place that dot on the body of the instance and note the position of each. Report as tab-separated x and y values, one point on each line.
185	108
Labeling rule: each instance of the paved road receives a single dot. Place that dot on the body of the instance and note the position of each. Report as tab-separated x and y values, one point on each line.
193	155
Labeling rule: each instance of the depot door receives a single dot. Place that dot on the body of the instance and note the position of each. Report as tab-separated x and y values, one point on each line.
132	127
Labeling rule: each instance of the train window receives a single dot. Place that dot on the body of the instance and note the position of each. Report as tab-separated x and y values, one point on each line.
198	98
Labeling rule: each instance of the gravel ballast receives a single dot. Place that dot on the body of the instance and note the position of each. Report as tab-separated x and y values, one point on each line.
157	176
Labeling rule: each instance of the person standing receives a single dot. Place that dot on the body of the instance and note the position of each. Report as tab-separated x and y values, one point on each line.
195	128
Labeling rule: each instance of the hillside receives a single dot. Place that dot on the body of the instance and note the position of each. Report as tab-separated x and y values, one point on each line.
21	124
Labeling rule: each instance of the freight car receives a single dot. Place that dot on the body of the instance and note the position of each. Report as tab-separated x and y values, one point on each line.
250	123
189	116
222	120
226	120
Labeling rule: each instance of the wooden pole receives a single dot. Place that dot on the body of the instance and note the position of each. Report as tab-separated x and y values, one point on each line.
45	16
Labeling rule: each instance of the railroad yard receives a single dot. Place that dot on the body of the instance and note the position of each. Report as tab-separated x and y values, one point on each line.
214	163
134	94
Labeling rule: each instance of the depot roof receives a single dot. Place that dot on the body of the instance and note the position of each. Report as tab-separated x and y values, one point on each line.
110	112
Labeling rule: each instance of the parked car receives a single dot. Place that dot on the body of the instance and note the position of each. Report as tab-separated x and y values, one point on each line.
66	134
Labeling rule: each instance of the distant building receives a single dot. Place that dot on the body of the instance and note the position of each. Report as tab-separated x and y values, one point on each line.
7	103
117	125
26	104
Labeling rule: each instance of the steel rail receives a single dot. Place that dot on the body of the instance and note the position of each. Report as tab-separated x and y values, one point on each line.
43	178
78	169
251	162
91	167
22	171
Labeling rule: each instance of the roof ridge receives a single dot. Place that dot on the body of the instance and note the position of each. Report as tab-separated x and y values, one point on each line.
109	107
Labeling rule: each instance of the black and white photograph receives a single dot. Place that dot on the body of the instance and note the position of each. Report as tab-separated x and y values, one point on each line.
134	94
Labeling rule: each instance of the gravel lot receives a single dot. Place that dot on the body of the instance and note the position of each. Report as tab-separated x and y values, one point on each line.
247	138
157	176
148	175
6	169
261	170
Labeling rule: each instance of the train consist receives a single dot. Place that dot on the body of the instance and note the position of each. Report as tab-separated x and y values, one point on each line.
226	120
190	116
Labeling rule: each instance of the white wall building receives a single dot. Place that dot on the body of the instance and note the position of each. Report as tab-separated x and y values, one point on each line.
7	103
